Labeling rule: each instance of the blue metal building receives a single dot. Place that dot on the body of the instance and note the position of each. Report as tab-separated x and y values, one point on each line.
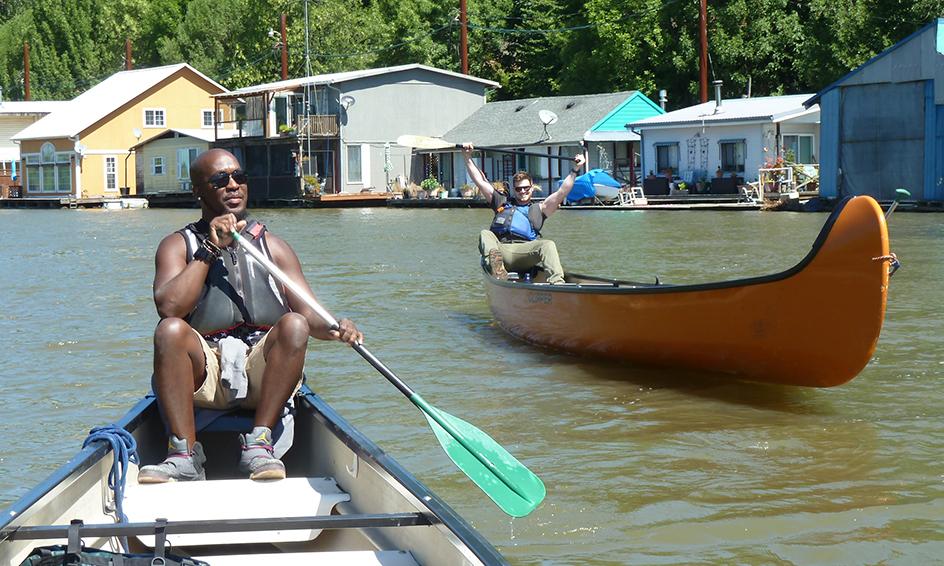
882	125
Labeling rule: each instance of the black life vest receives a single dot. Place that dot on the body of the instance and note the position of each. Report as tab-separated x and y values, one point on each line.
239	294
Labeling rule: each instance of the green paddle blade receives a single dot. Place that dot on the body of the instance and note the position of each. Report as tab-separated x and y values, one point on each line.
511	485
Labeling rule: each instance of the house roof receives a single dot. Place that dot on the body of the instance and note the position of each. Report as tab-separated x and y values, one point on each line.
203	134
939	22
101	100
31	106
335	78
510	123
612	127
759	109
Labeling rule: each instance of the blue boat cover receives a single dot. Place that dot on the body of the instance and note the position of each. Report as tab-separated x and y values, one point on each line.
583	185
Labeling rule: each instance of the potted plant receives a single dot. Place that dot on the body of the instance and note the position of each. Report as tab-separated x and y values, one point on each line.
312	185
467	190
286	130
431	186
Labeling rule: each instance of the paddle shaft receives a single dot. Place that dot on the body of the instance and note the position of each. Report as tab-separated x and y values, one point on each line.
441	418
300	292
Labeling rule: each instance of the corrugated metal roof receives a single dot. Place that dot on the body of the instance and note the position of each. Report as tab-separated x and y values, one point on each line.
100	100
512	123
771	108
31	106
334	78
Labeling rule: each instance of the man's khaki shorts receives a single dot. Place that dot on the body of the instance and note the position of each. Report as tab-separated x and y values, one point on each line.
213	395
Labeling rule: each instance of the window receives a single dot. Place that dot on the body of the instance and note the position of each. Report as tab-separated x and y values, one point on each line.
185	155
732	155
154	118
111	173
798	148
354	164
48	171
207	118
667	157
157	166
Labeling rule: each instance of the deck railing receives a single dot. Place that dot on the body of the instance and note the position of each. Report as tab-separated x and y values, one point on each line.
317	125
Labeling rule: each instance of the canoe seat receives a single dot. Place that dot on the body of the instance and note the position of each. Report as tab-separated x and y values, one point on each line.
233	499
339	558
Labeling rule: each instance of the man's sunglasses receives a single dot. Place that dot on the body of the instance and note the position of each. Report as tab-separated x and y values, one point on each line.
523	188
221	179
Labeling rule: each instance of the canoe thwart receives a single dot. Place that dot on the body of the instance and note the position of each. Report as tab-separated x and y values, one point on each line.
106	530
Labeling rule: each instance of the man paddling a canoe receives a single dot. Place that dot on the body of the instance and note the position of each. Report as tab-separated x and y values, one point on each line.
229	335
513	241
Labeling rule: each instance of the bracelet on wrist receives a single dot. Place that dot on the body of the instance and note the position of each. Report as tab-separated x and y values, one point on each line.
208	252
575	171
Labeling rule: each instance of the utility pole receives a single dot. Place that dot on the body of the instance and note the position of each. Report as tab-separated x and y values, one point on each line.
703	32
464	36
128	65
26	77
284	51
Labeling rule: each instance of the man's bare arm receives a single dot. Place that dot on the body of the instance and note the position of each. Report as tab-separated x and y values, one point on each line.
177	284
485	188
550	205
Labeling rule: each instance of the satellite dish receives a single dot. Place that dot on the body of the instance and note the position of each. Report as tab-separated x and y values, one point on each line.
547	117
347	101
137	133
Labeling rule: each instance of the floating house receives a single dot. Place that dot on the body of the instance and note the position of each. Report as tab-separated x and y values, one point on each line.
337	132
883	123
163	160
556	125
726	142
83	148
14	116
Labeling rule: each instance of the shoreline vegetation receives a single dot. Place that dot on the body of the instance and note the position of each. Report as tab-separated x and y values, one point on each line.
537	48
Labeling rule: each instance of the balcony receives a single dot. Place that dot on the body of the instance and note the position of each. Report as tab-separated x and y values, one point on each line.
317	125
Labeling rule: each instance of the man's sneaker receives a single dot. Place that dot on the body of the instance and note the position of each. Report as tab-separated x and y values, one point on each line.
497	264
257	458
180	464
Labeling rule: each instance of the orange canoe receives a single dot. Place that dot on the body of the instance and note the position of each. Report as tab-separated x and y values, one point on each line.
834	299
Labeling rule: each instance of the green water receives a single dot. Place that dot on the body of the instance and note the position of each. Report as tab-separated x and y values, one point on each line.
642	466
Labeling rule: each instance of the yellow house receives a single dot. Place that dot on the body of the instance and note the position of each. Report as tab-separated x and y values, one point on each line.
164	159
84	149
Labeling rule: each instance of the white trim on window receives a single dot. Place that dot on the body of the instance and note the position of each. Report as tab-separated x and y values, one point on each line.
154	117
158	166
111	173
355	171
204	114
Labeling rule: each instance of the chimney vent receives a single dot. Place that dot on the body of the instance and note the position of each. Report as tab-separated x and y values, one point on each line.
717	96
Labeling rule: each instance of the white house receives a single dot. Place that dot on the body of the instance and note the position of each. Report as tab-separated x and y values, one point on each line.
732	138
14	116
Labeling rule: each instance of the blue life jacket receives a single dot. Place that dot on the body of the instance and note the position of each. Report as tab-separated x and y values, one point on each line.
516	222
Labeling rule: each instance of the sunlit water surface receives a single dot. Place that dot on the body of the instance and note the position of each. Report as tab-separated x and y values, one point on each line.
642	466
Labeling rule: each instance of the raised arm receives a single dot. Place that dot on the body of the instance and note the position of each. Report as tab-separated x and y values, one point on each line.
550	205
485	188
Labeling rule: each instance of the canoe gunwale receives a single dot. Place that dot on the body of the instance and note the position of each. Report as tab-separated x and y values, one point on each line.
616	287
85	459
368	450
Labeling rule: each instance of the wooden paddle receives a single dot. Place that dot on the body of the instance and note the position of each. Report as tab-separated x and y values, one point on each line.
513	487
430	143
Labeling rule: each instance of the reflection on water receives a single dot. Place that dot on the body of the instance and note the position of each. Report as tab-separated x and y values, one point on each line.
642	465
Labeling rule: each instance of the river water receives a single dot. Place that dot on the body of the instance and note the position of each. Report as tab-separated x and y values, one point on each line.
642	466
